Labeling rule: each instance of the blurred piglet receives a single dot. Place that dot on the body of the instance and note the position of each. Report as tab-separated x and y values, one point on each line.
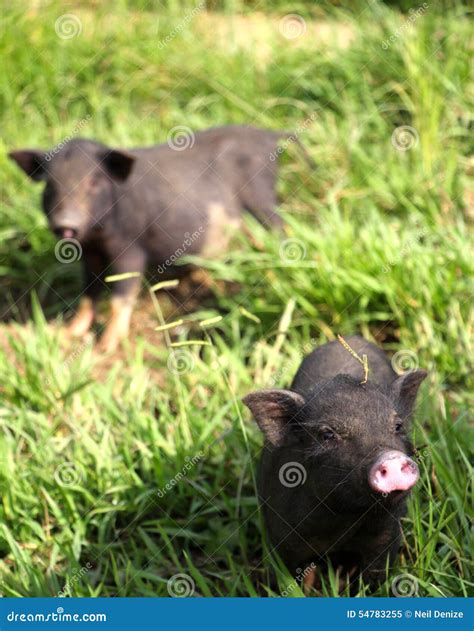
336	467
150	206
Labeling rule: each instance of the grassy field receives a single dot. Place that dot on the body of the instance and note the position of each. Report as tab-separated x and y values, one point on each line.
120	473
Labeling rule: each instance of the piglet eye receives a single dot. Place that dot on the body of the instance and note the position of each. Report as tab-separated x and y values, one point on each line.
327	434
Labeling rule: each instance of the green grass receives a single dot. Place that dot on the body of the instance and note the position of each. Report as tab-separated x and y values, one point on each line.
381	244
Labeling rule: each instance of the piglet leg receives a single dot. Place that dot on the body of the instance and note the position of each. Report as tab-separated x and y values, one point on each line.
124	295
84	318
93	266
118	326
309	580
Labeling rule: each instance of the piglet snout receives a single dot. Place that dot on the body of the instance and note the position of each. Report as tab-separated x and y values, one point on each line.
393	471
65	233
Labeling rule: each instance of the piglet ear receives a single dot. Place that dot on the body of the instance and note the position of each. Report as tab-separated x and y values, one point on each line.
31	161
118	164
405	389
274	411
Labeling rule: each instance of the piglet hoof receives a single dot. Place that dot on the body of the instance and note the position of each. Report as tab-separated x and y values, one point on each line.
68	337
347	578
82	321
108	343
373	578
77	329
309	581
118	326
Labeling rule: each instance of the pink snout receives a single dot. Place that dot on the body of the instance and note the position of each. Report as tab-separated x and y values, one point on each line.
393	471
65	233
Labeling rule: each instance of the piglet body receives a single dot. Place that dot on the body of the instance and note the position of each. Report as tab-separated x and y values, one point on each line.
127	210
336	467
